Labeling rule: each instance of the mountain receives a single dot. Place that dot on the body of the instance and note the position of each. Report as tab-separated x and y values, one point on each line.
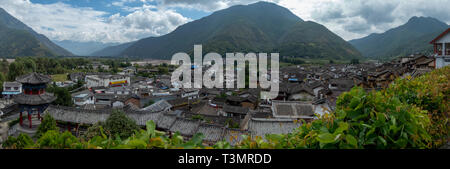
114	50
16	43
412	37
83	48
258	27
8	23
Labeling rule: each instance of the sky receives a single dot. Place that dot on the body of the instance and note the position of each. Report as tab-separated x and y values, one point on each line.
119	21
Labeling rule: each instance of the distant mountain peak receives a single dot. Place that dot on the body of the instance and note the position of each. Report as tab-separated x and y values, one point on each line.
257	27
422	20
13	23
411	37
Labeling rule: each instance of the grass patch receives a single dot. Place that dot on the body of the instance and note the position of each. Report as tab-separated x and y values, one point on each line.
59	77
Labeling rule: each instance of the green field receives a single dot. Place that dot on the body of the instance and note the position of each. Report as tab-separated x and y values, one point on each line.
59	77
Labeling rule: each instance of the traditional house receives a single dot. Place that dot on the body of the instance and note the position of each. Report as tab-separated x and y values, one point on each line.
235	111
83	97
190	93
107	80
11	88
301	92
250	101
441	45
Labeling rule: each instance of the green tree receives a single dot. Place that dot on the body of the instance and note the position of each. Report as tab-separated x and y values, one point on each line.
54	139
63	95
2	79
48	123
15	69
118	124
95	130
22	141
354	61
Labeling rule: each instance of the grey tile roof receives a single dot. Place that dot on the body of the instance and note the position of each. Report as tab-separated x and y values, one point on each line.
34	99
165	121
186	127
212	133
33	78
261	127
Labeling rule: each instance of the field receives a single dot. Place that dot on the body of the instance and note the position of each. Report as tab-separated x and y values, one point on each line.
59	77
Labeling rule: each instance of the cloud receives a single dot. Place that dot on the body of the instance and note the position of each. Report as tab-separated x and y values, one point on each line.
348	19
60	21
361	17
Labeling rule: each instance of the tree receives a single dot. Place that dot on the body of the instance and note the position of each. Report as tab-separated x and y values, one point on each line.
2	79
118	124
22	141
354	61
163	70
15	69
95	130
49	123
63	96
54	139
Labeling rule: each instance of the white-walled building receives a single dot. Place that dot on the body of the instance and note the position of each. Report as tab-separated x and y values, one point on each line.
83	98
107	80
11	88
441	46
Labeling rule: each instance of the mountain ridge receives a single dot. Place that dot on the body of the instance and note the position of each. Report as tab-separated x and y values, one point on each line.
411	37
10	22
256	27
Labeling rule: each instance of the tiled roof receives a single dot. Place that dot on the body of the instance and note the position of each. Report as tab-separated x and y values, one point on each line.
34	99
33	78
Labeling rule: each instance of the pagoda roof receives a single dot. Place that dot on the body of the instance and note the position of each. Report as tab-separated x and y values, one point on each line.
33	78
44	98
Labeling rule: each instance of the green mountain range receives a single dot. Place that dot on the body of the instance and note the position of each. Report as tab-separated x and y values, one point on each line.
412	37
258	27
17	39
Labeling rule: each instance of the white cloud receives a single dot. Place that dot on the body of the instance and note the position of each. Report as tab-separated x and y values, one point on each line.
348	19
60	21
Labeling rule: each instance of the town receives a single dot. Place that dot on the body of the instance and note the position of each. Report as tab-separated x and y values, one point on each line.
306	92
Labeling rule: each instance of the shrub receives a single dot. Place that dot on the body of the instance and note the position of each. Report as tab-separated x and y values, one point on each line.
48	123
119	124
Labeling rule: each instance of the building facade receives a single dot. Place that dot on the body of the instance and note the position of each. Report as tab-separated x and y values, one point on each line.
107	80
11	88
441	46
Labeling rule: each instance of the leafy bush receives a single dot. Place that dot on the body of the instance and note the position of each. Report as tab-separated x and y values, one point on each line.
48	123
430	92
54	140
119	124
22	141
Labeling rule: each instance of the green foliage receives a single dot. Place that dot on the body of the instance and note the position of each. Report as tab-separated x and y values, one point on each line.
118	124
63	95
54	140
15	69
48	123
354	61
430	92
231	123
198	117
94	130
22	141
